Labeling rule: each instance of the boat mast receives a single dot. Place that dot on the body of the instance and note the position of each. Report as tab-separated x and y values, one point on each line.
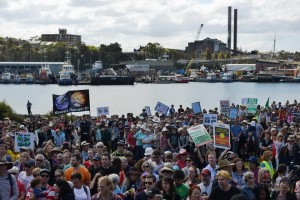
274	45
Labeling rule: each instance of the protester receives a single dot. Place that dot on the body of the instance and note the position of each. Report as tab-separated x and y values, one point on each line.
9	187
63	189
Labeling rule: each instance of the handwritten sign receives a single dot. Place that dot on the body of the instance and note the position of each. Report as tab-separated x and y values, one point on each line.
199	135
148	111
250	103
24	139
224	104
221	135
103	111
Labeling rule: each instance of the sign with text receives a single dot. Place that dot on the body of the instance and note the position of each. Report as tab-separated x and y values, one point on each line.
221	135
209	119
24	139
199	135
72	101
196	107
161	108
233	113
148	111
250	103
224	105
103	111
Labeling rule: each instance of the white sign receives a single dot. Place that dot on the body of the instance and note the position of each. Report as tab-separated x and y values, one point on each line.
24	139
209	119
102	111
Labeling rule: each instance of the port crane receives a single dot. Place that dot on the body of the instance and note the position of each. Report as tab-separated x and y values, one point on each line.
187	69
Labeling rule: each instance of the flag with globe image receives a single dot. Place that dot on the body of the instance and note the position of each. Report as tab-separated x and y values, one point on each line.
72	101
60	103
221	135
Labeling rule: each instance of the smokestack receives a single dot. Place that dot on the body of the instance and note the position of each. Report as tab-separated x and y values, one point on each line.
229	30
235	31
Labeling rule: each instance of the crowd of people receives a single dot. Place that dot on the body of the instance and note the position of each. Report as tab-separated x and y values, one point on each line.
153	157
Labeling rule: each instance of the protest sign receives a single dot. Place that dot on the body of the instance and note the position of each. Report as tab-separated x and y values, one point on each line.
209	119
233	113
161	108
221	135
24	139
250	103
196	107
103	111
148	111
72	101
224	105
199	135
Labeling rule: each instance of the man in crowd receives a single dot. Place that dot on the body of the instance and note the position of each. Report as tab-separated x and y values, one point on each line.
149	184
9	188
206	184
212	164
105	168
224	190
85	128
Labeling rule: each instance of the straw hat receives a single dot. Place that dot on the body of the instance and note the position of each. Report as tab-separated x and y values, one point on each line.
222	164
3	161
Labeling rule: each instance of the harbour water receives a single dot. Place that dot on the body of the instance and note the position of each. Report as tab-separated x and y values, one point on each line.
133	98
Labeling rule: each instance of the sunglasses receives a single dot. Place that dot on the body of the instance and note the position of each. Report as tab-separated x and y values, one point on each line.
99	146
148	183
37	160
44	176
147	166
266	182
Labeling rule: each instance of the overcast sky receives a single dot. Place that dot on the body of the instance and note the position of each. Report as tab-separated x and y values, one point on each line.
172	23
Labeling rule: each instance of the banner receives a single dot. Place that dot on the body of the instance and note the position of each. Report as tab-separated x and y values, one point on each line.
196	107
221	135
224	105
148	111
24	139
209	119
60	104
199	135
250	103
233	113
79	101
72	101
102	111
161	108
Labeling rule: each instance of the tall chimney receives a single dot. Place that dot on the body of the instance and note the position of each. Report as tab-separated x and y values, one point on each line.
235	31
229	30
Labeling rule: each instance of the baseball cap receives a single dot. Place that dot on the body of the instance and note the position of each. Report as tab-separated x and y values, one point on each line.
206	172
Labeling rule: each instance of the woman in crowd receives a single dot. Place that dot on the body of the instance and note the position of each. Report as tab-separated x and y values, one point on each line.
279	143
238	172
262	192
164	139
131	183
64	191
267	163
115	179
148	168
195	193
193	177
168	189
24	157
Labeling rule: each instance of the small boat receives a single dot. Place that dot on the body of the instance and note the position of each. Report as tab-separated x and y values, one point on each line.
210	78
165	79
45	75
6	78
181	79
29	79
64	79
67	72
227	78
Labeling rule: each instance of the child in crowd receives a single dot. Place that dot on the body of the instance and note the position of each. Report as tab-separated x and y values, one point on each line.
36	185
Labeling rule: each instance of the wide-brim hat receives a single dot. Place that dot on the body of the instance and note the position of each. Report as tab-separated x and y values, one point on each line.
222	164
4	162
156	119
56	149
291	138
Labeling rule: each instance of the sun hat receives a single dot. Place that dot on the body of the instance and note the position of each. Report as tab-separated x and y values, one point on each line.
223	163
84	143
165	129
148	151
156	119
3	161
45	171
291	138
167	167
56	149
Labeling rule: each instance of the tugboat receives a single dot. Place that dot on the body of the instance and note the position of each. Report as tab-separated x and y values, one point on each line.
117	74
67	72
6	78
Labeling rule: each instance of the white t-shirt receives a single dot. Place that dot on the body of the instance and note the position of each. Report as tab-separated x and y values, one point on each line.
25	179
80	194
205	190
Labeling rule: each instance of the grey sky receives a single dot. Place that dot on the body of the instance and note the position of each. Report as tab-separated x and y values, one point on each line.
172	23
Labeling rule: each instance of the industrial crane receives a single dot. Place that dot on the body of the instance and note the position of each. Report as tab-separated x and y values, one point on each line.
187	69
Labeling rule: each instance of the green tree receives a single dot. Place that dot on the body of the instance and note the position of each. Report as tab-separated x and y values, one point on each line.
207	54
